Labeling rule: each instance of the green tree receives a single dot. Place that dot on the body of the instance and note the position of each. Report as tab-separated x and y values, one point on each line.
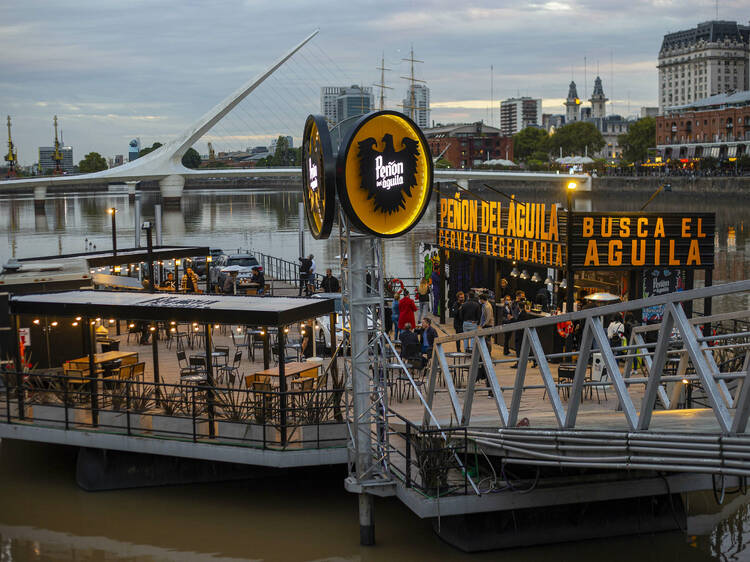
530	143
92	162
575	138
191	159
282	156
146	150
640	137
442	164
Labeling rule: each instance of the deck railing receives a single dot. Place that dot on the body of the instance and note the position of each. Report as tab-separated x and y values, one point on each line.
198	413
678	337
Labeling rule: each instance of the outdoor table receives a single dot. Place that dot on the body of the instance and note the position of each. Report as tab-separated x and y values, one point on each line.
294	369
82	363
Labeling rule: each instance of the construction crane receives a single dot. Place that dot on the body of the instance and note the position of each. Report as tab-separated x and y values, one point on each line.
12	157
211	153
57	155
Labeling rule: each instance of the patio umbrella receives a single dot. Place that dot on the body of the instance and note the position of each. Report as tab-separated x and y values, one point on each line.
602	297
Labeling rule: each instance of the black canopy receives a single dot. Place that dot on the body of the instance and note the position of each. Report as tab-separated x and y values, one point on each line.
214	309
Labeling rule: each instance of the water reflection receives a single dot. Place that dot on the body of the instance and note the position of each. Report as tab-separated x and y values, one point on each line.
301	515
268	220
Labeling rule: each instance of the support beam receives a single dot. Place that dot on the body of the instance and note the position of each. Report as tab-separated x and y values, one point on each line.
40	196
171	190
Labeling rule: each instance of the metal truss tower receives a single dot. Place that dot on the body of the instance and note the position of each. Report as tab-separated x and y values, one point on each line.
365	372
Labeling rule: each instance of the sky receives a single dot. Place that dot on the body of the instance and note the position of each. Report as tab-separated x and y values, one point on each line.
113	71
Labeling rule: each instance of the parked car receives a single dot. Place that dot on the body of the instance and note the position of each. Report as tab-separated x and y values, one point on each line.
199	263
247	262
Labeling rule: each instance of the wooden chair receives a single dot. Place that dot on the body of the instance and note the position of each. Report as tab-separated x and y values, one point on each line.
126	372
139	371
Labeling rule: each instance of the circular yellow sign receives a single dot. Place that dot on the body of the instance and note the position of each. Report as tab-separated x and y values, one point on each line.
318	177
384	174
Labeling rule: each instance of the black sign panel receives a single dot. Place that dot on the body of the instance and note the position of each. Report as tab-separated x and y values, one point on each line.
643	240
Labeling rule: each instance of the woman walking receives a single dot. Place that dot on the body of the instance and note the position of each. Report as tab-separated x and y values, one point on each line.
406	310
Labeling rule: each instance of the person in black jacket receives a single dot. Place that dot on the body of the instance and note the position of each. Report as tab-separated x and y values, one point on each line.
330	284
458	323
471	313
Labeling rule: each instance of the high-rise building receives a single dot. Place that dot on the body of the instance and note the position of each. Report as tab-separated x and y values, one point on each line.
47	163
712	58
328	95
339	102
518	113
354	101
416	104
572	104
134	148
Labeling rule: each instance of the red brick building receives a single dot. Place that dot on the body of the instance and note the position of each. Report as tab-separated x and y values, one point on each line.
718	126
468	145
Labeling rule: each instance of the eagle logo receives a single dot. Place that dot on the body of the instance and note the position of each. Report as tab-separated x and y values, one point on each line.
388	175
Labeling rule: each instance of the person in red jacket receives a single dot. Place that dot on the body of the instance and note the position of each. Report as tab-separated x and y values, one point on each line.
406	310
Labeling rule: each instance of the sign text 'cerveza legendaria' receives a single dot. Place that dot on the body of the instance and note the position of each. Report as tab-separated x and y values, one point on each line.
523	232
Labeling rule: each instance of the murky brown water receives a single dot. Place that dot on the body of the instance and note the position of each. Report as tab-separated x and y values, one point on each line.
301	515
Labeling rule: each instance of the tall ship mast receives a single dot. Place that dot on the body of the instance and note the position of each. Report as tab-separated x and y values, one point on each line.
57	155
412	81
12	157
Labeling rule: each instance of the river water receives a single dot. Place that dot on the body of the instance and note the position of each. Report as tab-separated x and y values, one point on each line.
304	515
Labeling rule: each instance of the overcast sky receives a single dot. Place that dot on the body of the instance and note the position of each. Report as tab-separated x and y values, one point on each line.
113	71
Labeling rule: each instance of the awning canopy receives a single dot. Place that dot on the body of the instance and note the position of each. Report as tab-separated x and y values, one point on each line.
214	309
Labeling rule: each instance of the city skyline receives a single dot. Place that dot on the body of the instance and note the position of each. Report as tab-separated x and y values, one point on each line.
111	83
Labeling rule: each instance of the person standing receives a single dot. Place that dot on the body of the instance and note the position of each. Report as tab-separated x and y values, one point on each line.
435	284
458	323
423	294
304	271
487	317
427	336
471	312
406	310
394	315
330	284
506	313
311	274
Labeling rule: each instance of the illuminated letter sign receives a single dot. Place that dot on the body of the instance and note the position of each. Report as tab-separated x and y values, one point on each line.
384	174
318	177
643	240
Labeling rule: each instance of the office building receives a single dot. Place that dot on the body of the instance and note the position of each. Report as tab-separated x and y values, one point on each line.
518	113
47	163
712	58
338	103
416	105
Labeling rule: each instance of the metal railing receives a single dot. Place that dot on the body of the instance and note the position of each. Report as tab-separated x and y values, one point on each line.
279	269
198	413
686	342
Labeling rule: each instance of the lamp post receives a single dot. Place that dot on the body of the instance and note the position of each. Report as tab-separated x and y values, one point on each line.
570	277
113	213
149	241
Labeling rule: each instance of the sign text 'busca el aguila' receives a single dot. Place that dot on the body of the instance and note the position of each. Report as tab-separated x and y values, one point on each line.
643	240
517	231
384	174
318	176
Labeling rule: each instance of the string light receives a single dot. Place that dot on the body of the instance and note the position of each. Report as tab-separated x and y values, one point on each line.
131	325
74	324
54	323
78	318
152	328
111	320
36	321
